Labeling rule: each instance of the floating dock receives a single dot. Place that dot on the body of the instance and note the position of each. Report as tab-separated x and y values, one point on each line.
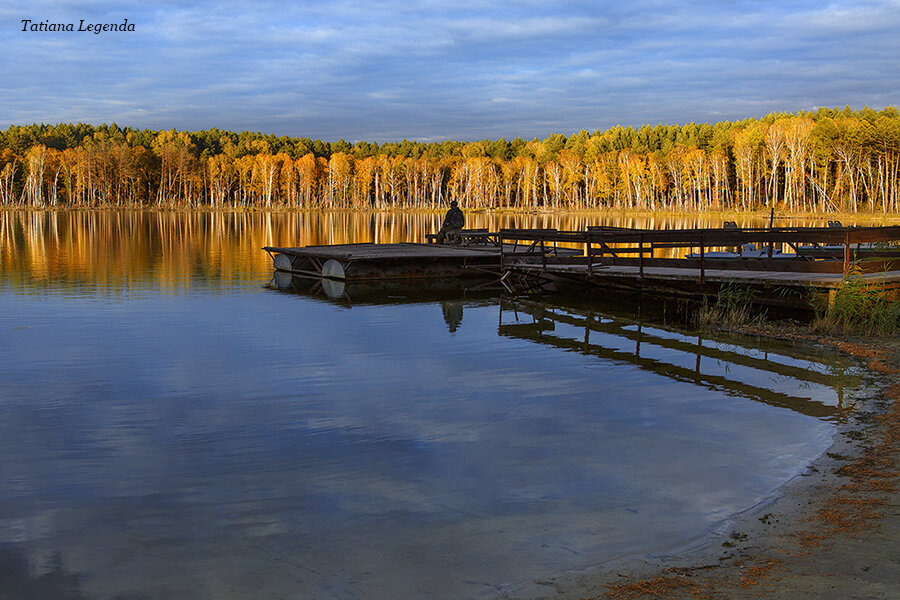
476	254
387	261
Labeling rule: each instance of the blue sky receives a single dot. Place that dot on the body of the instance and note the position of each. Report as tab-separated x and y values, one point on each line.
432	70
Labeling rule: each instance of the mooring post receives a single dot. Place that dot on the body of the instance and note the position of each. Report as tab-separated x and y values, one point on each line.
543	252
641	253
702	265
846	253
590	260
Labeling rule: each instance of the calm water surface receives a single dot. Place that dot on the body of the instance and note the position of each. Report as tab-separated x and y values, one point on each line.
174	426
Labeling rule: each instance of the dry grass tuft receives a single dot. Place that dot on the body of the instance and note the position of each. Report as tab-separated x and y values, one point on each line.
807	540
880	366
852	348
851	509
870	485
868	467
893	392
758	570
657	587
848	518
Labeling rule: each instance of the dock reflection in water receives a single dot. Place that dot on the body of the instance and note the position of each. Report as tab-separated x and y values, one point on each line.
239	442
797	381
784	376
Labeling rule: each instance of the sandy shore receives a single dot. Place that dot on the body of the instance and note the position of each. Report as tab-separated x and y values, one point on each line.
833	532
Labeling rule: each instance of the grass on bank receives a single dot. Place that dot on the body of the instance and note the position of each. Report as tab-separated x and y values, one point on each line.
733	309
857	307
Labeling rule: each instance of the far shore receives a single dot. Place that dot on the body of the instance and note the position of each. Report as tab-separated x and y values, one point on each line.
781	218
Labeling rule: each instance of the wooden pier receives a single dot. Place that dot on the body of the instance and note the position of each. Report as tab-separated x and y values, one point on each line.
771	260
818	260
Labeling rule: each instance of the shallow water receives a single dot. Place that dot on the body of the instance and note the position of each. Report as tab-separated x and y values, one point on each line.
173	426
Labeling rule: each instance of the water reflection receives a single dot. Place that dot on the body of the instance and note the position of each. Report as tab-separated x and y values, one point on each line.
212	438
782	375
389	291
35	578
117	249
453	314
797	381
265	444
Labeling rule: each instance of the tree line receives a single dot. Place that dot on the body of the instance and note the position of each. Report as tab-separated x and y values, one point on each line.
816	161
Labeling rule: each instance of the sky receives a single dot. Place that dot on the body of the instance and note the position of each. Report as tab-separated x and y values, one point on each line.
436	70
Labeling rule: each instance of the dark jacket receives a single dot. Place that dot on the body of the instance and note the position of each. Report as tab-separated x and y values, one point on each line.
454	219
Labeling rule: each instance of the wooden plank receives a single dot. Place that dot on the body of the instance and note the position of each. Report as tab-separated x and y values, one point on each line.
375	251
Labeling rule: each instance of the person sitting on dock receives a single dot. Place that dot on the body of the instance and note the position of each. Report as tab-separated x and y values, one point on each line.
454	220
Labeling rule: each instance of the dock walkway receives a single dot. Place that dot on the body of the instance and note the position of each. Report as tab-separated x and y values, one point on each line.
634	274
818	260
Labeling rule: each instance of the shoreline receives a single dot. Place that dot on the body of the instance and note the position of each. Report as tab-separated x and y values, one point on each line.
442	207
832	531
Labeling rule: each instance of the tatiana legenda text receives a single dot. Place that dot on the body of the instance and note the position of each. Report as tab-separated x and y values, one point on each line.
95	28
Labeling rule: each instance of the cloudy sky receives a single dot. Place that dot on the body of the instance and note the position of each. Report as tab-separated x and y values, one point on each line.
431	70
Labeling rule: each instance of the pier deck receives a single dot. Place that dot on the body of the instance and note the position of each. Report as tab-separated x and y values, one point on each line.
686	280
762	277
817	259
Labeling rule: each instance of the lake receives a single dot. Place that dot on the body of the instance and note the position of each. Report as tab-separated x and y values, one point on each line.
176	423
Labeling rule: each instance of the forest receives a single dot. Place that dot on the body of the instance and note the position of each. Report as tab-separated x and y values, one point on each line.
828	160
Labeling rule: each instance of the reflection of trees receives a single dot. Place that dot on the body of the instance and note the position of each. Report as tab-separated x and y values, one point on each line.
125	246
19	582
609	342
453	313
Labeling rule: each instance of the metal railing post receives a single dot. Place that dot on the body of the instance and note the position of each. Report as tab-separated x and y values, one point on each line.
702	263
846	253
641	254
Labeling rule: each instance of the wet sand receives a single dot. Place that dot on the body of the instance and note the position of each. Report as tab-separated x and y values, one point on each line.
833	532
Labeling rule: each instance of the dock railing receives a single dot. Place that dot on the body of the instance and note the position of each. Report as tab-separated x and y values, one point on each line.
806	243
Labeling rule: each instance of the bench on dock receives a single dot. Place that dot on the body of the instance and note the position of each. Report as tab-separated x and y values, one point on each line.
466	237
